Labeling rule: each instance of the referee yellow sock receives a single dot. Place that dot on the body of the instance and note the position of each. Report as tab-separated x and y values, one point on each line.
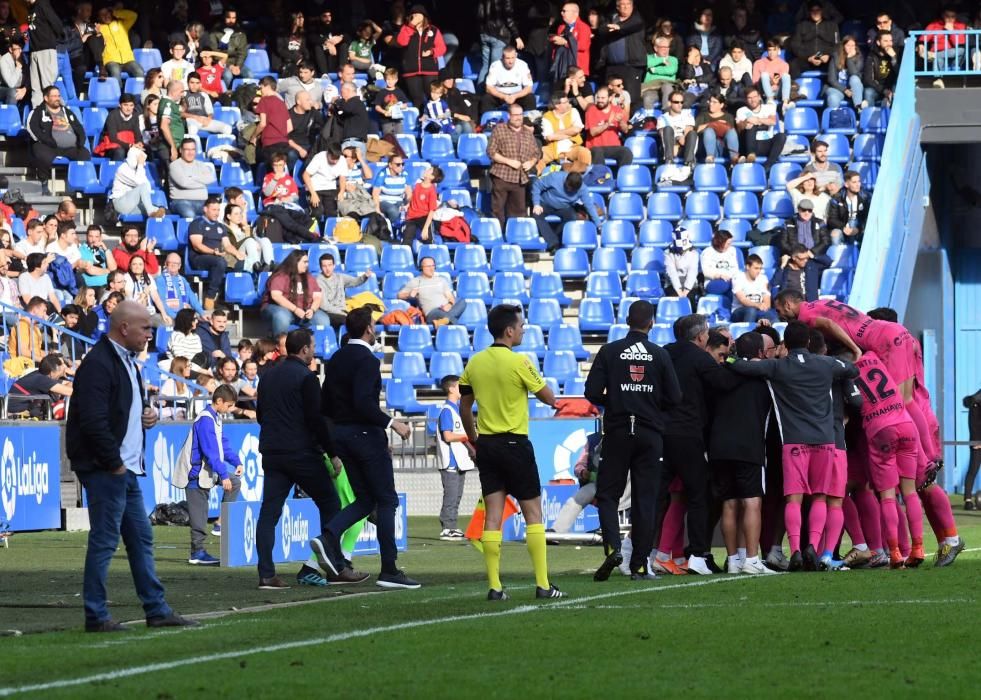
535	539
492	557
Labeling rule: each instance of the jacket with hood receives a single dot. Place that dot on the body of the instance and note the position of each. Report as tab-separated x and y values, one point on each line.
414	43
811	37
116	34
44	26
631	33
235	44
39	126
496	18
130	175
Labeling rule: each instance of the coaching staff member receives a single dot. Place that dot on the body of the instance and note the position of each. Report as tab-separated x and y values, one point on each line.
293	438
499	380
105	440
350	400
633	379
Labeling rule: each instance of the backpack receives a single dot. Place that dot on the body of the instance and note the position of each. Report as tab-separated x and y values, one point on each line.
456	229
347	231
403	317
182	465
377	225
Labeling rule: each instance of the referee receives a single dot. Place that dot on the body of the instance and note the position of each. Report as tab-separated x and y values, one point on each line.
634	380
499	380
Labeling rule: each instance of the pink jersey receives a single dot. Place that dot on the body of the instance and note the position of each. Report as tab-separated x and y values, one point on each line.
864	331
882	402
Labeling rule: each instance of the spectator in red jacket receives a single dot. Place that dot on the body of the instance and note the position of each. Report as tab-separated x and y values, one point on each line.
131	246
947	51
571	23
422	45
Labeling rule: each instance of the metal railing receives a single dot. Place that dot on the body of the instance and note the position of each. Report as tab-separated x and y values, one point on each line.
946	53
418	453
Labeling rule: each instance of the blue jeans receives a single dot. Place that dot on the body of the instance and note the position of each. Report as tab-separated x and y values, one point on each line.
453	314
953	59
280	319
134	69
491	49
116	508
768	87
227	77
713	147
749	314
391	210
138	199
364	451
187	208
836	96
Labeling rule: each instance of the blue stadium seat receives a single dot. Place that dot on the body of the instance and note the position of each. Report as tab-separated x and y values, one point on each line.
325	342
703	205
634	178
417	338
626	205
713	305
408	144
643	148
778	204
542	312
580	234
437	147
228	115
768	253
410	119
664	205
148	58
411	366
257	61
841	256
510	285
839	150
508	258
493	115
711	177
867	171
234	175
523	231
664	184
454	176
397	258
134	86
670	309
781	173
532	360
610	259
574	386
644	284
443	364
473	285
10	120
392	284
738	329
571	263
548	285
618	233
369	285
104	92
93	119
739	228
359	258
699	231
472	149
874	120
848	113
240	289
599	178
453	339
474	316
742	205
414	170
439	253
604	285
656	233
400	395
162	231
748	177
470	258
661	334
282	250
866	148
82	178
163	338
623	307
797	149
532	341
810	91
834	280
801	120
561	364
595	314
618	331
487	231
648	259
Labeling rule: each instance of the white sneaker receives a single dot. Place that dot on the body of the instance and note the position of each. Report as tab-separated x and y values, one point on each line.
447	536
733	566
697	565
938	83
756	568
778	561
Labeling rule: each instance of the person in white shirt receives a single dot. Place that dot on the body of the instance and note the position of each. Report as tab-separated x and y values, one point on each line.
66	245
675	128
737	61
751	294
755	122
806	187
324	177
681	263
720	263
177	67
508	82
562	129
131	191
33	242
36	282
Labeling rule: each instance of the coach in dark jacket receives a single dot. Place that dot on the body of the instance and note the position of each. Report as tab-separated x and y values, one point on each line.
104	440
805	229
350	398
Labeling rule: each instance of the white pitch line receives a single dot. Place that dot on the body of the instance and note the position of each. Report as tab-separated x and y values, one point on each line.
805	604
344	636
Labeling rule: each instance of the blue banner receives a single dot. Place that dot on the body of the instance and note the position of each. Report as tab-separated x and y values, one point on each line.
30	491
299	522
554	496
558	442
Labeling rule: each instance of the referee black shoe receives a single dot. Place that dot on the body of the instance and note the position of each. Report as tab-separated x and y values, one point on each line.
397	579
494	594
328	554
612	561
551	591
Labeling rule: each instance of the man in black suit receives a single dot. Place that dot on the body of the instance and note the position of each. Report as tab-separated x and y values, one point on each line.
293	438
350	399
105	441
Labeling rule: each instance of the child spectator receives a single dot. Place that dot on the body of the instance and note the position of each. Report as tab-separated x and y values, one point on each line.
211	69
437	118
212	459
422	205
455	457
389	103
177	67
244	350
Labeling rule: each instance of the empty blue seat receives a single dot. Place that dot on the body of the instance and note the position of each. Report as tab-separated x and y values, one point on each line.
661	333
408	144
670	309
644	284
10	120
748	177
797	149
454	176
473	285
612	259
134	86
482	338
533	340
713	305
400	395
443	364
414	169
257	61
523	231
867	171
843	113
634	178
738	329
801	120
439	253
325	342
618	233
643	149
699	231
548	285
411	366
703	205
162	339
397	258
618	331
82	177
416	339
841	256
834	280
566	336
711	177
240	289
599	178
657	233
148	58
874	120
595	314
104	92
542	312
487	231
574	386
645	259
360	258
234	175
604	285
626	205
93	119
664	205
392	284
579	234
778	204
742	205
162	231
228	115
532	359
561	364
866	148
839	150
510	285
472	149
437	147
809	91
470	258
624	308
474	316
453	339
781	173
507	258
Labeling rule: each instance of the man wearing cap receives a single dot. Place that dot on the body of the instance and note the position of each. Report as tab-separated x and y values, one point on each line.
807	230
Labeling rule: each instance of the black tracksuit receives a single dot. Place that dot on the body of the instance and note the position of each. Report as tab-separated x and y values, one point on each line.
973	405
634	381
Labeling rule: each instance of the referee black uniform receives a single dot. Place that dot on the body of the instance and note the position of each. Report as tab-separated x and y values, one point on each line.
634	381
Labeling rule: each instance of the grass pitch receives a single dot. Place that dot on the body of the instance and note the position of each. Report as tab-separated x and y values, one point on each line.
866	633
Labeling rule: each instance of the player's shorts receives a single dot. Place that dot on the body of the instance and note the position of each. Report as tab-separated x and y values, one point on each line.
893	452
737	479
804	465
897	350
506	462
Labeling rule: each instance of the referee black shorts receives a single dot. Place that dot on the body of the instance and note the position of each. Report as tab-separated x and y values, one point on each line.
506	462
736	479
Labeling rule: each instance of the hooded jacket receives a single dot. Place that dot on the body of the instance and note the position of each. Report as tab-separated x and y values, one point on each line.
130	175
39	126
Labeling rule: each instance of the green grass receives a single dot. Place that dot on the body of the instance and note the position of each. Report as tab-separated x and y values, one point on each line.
875	633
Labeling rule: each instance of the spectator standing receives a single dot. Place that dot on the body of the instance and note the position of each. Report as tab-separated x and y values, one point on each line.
814	41
272	132
333	300
508	81
422	205
390	102
422	45
115	24
606	124
662	74
513	151
131	192
208	242
757	123
497	21
751	294
352	116
291	47
44	32
55	131
845	71
307	123
433	295
171	120
189	180
623	54
455	458
293	296
572	34
85	45
14	72
707	38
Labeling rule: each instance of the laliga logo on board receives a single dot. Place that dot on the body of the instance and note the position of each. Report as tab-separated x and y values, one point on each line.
8	480
164	458
28	478
566	453
252	476
295	530
248	533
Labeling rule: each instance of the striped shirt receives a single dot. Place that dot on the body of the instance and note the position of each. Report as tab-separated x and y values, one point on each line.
391	186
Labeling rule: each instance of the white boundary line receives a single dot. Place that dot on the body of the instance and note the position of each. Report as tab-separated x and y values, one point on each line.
344	636
803	604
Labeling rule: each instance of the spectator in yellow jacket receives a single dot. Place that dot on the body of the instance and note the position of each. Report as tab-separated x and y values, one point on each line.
114	25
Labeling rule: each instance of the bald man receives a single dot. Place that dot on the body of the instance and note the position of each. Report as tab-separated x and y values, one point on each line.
107	420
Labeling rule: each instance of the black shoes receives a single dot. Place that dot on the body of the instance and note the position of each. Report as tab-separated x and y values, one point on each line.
612	561
396	580
552	591
810	558
328	554
796	562
105	626
171	620
494	594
